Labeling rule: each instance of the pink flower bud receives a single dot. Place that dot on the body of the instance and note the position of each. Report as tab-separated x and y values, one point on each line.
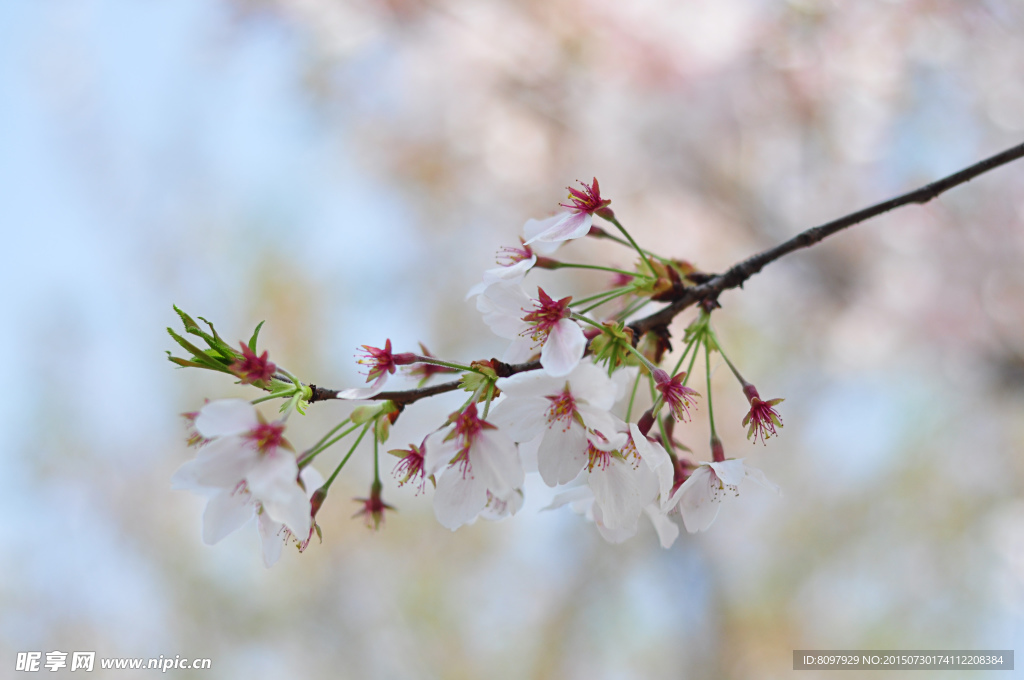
717	450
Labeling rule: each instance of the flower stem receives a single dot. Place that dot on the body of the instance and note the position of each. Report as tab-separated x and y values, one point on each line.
490	396
330	480
613	293
632	309
312	453
707	370
633	243
572	265
727	362
632	396
376	460
686	351
316	448
291	391
669	446
605	301
446	364
644	360
613	237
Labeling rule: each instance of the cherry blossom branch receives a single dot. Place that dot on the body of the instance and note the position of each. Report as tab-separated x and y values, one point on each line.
711	286
740	272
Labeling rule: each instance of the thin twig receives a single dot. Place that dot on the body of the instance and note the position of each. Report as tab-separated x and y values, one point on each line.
740	272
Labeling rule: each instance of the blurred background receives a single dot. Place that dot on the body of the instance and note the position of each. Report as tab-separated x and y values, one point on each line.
345	169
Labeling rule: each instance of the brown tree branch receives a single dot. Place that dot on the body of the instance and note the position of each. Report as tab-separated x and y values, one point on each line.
741	271
709	290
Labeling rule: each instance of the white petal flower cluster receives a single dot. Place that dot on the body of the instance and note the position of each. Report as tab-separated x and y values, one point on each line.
245	468
609	470
616	471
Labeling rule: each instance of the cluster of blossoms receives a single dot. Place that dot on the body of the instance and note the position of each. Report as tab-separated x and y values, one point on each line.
564	401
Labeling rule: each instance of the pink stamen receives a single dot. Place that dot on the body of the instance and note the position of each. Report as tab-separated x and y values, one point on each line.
676	394
267	436
547	312
508	256
588	200
562	409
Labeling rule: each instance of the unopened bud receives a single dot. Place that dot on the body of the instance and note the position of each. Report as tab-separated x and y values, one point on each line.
646	422
317	500
404	359
546	263
717	450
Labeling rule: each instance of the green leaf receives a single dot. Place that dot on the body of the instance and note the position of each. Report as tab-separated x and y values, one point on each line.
186	320
198	355
184	362
255	334
214	341
208	323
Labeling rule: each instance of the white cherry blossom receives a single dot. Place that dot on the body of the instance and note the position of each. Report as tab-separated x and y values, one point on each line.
560	411
244	452
700	497
577	221
542	323
479	466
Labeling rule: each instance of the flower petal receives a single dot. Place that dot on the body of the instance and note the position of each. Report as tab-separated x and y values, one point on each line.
611	535
521	349
438	452
222	463
458	499
562	454
311	479
226	417
530	384
696	500
579	493
272	539
757	476
225	513
499	507
667	530
521	419
514	273
656	458
274	482
533	228
569	225
366	392
597	419
291	509
563	349
731	471
495	460
592	384
503	306
616	492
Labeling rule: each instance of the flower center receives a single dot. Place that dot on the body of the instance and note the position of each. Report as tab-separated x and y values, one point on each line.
598	458
586	201
547	312
267	436
562	409
410	467
719	489
377	360
508	256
